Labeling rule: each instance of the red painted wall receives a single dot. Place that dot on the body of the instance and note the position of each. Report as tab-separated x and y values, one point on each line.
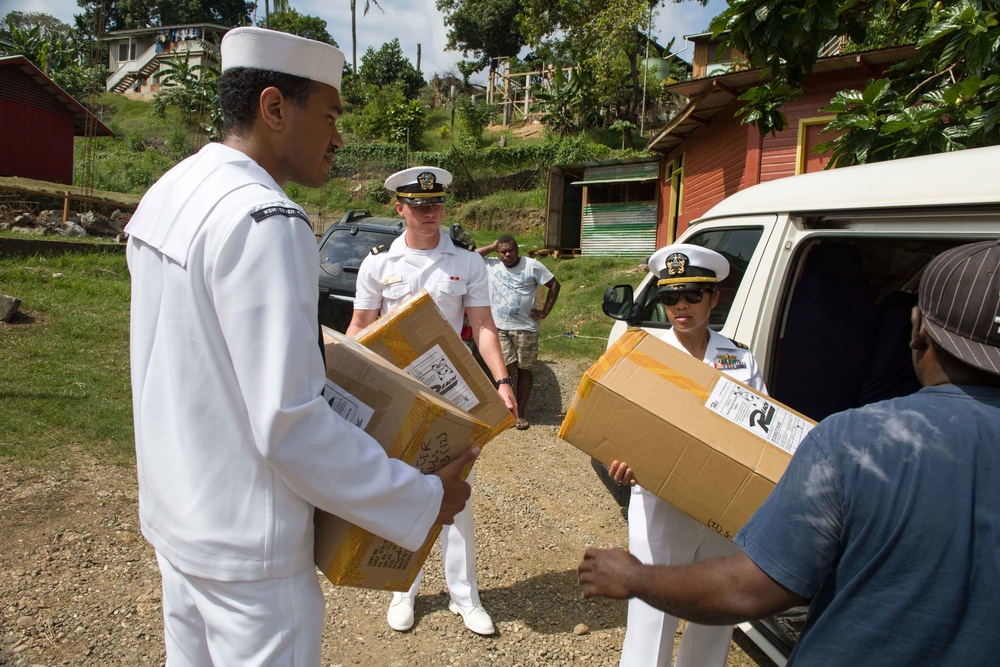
724	156
715	159
35	143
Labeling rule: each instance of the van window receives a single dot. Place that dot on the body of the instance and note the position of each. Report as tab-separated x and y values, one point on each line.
737	246
841	338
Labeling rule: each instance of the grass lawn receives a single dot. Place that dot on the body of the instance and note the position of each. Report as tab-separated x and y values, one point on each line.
66	385
65	358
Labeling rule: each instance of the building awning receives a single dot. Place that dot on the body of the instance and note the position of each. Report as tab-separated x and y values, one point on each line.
636	179
709	95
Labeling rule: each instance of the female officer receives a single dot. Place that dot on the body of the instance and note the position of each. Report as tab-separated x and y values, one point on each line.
659	533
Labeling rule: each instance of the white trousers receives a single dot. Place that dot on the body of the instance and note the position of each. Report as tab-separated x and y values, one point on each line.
459	555
270	622
660	534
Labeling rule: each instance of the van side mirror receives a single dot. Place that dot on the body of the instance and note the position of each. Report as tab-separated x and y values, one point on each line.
618	302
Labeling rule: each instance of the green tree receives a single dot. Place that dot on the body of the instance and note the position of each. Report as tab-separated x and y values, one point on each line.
474	118
53	47
354	28
387	67
132	14
117	15
945	98
303	25
485	28
568	105
389	115
602	37
48	26
467	68
194	91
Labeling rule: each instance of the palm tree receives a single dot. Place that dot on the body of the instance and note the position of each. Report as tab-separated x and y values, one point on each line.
354	28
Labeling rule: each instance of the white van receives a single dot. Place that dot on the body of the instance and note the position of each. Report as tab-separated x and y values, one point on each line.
825	268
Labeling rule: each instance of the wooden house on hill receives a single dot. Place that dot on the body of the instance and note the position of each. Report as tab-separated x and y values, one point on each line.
138	58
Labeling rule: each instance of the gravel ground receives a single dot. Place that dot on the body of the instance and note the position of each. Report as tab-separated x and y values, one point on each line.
79	585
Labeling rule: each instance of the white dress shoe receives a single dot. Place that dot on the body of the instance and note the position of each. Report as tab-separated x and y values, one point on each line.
400	614
475	617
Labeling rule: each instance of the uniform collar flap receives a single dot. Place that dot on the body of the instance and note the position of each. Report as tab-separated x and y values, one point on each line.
175	208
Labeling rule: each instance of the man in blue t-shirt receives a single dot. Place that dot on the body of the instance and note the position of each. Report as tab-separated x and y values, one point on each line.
887	518
514	282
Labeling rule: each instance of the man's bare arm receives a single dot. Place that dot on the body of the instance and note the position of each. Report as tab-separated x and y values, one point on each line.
487	249
484	332
360	320
550	300
719	591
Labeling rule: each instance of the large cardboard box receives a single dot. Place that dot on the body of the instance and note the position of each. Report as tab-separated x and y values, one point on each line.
706	444
416	337
414	425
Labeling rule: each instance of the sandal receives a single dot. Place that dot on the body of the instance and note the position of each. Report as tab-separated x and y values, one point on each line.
521	424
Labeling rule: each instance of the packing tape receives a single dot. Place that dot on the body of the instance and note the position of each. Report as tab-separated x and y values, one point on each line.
569	421
399	349
341	569
505	424
621	348
670	375
409	429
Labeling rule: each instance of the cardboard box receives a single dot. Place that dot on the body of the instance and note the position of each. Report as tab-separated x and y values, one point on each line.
706	444
416	337
413	424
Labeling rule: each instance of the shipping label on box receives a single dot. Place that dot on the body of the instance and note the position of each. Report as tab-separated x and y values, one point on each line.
412	424
416	337
710	446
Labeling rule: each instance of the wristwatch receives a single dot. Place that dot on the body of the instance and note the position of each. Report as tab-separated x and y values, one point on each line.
501	381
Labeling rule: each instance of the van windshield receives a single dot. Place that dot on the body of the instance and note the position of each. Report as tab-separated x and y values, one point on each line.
737	246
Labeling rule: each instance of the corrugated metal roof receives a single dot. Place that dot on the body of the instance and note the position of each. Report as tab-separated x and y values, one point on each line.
23	82
621	229
708	95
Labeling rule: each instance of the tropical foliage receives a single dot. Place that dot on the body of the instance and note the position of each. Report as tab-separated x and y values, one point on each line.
194	91
53	47
291	21
946	97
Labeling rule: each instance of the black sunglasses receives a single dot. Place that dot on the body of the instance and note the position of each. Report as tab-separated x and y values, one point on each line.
693	296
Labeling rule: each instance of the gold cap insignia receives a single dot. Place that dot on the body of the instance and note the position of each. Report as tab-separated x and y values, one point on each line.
677	264
426	180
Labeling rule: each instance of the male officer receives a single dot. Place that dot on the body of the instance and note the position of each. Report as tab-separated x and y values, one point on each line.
659	533
235	445
424	257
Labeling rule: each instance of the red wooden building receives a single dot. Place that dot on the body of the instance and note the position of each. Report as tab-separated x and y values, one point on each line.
38	121
707	154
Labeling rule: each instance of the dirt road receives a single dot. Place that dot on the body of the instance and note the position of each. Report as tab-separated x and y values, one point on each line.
79	585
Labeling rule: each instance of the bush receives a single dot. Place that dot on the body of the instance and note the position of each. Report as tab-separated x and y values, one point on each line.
474	118
390	116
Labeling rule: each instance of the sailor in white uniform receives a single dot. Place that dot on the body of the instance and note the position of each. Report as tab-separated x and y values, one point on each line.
424	257
235	444
658	532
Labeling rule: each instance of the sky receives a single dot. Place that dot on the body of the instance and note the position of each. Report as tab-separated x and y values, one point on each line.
417	22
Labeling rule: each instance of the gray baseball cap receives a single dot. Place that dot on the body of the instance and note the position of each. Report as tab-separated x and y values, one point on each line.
960	303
